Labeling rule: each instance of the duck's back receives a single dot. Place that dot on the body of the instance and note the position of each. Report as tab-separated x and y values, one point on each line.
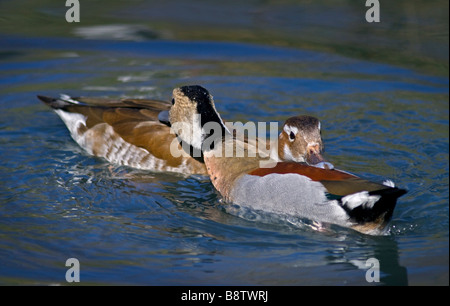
125	132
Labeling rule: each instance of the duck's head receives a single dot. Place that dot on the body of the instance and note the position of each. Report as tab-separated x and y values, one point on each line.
194	117
301	141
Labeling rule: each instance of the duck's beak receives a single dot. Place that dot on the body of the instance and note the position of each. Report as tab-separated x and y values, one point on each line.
163	117
313	154
315	158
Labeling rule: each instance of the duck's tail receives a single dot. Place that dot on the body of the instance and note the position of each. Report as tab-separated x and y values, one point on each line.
372	210
59	103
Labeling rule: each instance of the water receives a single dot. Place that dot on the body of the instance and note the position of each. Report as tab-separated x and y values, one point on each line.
383	117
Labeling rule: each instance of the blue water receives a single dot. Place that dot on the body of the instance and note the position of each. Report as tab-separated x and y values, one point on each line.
380	121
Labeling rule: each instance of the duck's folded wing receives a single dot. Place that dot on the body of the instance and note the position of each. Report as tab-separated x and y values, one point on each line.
133	120
109	110
368	204
337	182
65	100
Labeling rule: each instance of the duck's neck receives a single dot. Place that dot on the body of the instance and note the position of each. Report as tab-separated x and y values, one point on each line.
203	134
213	130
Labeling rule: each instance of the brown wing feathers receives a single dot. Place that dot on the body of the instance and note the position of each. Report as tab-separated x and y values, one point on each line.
134	120
336	182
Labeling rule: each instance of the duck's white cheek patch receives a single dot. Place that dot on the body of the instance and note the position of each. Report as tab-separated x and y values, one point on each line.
287	153
288	156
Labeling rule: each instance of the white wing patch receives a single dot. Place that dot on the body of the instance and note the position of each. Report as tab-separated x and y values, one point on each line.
361	198
389	183
67	98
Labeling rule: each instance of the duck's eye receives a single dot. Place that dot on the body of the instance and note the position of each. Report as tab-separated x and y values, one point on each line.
173	101
292	136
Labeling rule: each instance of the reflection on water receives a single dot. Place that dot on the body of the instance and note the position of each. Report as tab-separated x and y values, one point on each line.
383	117
115	32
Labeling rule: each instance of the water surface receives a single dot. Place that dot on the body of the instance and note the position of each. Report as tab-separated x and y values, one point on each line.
380	119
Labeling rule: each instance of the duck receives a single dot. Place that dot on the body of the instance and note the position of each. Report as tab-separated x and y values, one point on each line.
321	194
129	132
300	141
137	133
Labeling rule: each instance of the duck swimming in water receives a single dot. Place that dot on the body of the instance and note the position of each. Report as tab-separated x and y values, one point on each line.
290	188
136	133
